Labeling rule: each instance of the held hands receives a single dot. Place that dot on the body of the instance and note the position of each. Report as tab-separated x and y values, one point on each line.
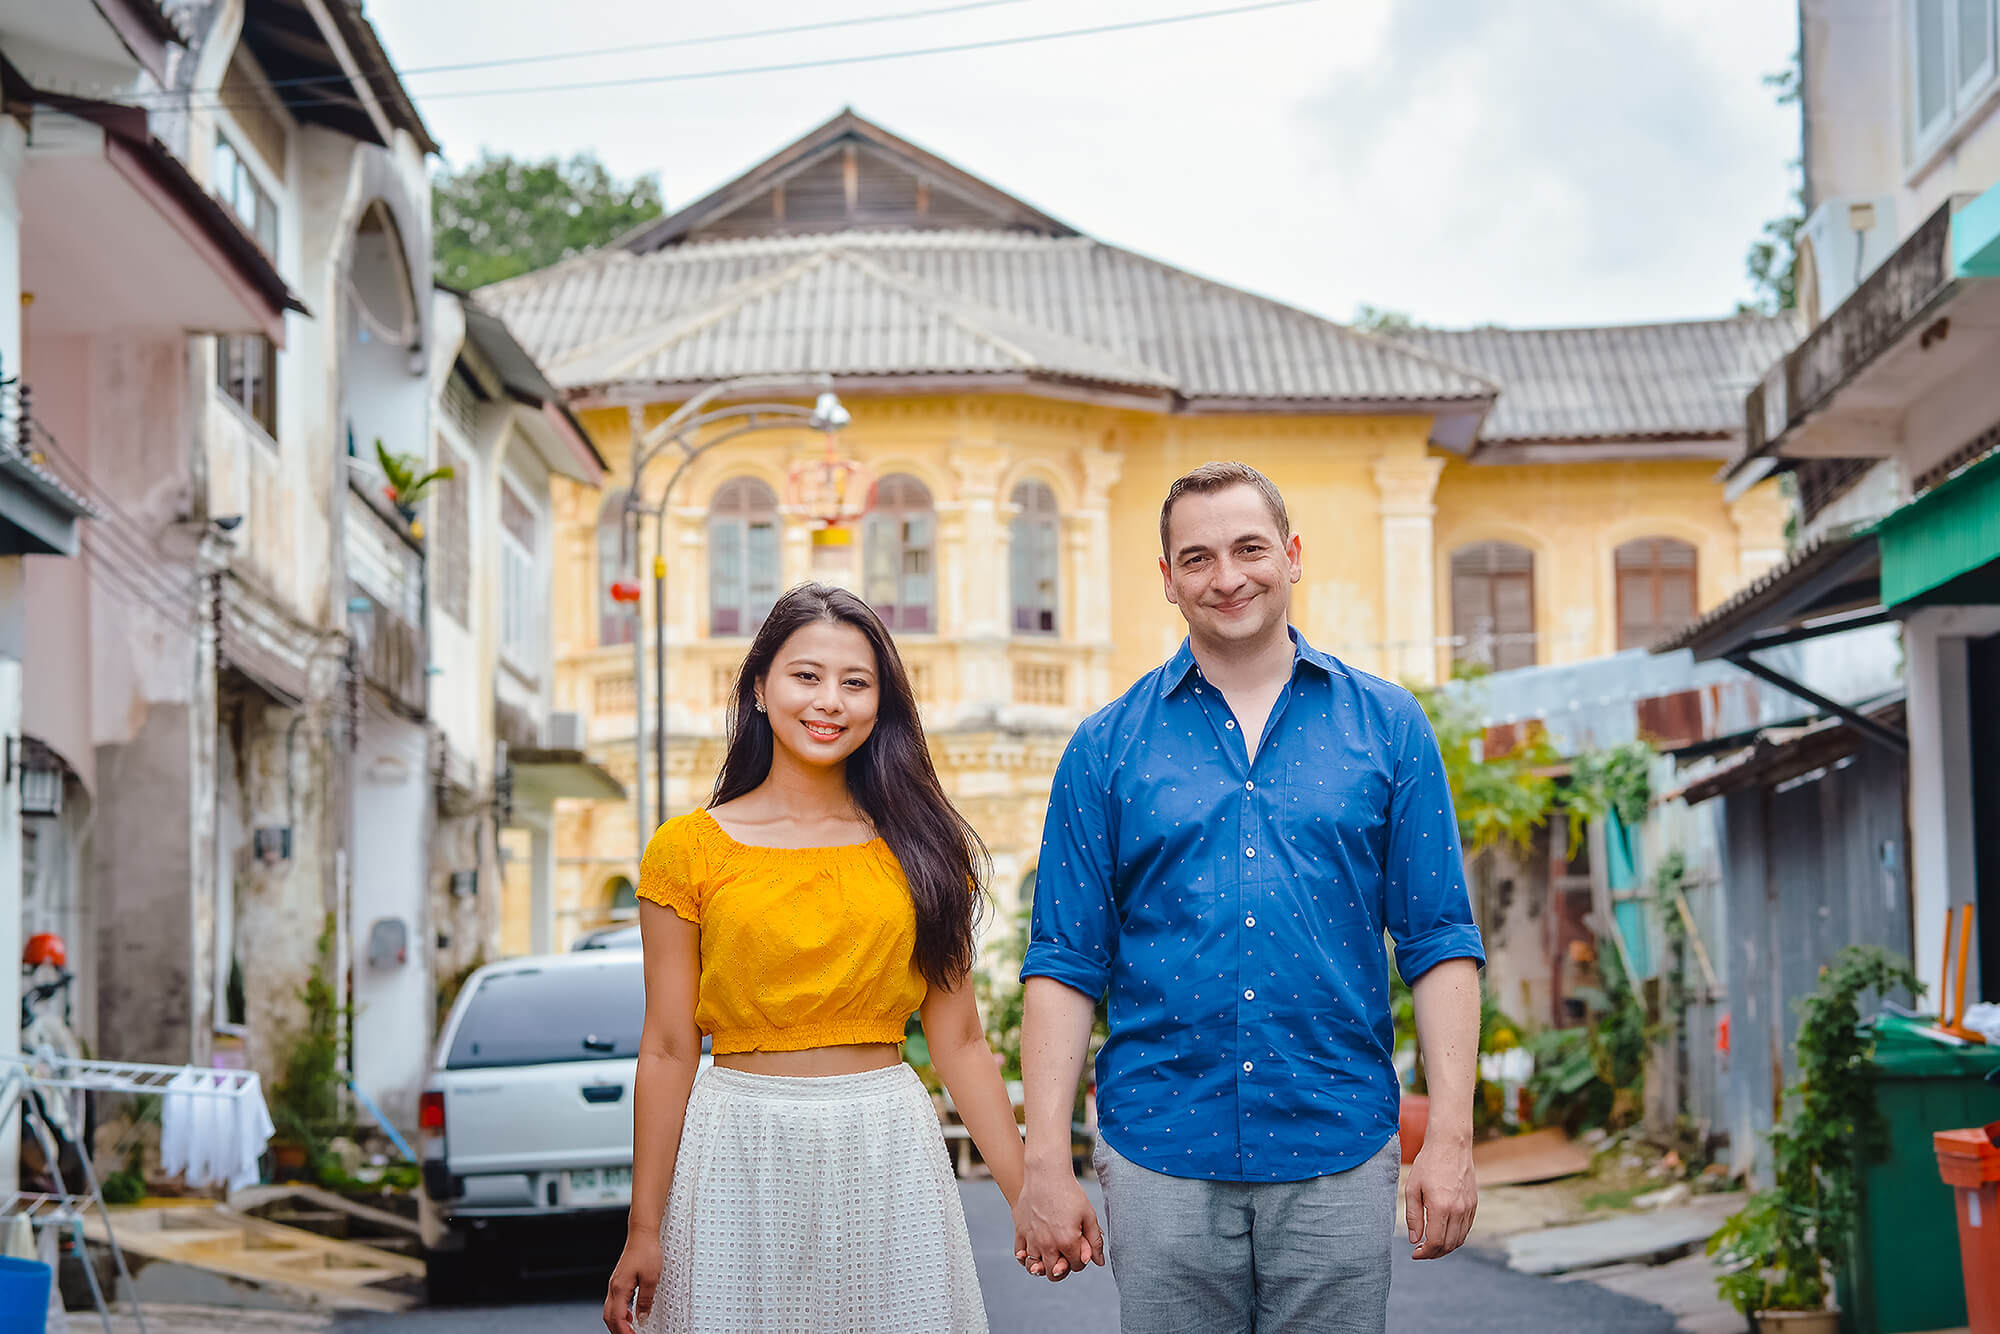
1442	1195
1055	1229
637	1275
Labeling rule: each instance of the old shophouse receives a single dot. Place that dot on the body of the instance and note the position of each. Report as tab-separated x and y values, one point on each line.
276	725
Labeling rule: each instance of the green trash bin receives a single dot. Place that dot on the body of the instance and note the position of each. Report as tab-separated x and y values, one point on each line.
1905	1273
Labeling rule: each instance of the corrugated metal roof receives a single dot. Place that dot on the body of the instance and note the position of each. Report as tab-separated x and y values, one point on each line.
40	479
949	302
1752	604
1686	378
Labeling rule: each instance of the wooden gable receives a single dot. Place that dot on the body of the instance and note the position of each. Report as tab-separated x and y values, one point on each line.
848	174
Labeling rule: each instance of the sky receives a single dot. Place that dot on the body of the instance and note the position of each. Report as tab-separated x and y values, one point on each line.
1517	162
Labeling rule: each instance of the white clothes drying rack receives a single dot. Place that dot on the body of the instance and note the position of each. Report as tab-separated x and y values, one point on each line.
66	1207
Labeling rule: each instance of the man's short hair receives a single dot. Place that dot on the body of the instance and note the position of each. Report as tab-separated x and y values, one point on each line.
1212	477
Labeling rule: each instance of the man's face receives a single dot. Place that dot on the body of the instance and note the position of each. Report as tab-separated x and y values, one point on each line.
1226	568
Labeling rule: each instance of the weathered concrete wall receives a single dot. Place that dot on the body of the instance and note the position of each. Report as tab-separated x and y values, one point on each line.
465	927
141	870
279	907
393	998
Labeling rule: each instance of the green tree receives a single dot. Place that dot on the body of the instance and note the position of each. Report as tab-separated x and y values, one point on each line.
1772	261
1500	798
503	216
1379	320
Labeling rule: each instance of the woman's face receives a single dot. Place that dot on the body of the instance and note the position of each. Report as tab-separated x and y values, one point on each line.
822	692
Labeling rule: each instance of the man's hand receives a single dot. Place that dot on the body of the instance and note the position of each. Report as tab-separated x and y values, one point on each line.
1055	1229
1441	1197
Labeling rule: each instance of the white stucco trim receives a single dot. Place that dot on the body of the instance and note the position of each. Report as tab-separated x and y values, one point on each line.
1942	862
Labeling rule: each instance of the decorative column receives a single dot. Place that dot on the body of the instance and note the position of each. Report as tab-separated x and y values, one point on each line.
973	584
1087	570
1407	487
1759	517
981	581
542	890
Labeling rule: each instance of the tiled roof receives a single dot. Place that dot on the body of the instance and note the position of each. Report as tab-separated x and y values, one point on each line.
1681	379
903	302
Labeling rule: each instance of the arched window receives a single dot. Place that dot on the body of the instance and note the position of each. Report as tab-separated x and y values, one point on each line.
742	557
1493	605
1035	558
615	622
619	896
899	538
1656	589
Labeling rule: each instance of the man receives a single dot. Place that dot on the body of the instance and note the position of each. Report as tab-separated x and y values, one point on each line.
1225	847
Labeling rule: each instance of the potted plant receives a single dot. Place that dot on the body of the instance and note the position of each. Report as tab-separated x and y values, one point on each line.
1779	1250
405	485
305	1102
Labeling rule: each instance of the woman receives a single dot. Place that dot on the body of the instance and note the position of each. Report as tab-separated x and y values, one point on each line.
828	890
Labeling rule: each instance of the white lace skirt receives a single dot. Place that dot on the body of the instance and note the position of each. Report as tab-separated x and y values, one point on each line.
814	1206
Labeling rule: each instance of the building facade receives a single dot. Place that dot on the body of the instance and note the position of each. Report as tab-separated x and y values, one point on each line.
1021	396
1886	419
280	736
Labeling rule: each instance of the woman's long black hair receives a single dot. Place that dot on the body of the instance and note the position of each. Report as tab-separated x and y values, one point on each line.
890	776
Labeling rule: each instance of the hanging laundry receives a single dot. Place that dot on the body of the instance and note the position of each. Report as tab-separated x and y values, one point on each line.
50	1254
253	1133
177	1122
214	1128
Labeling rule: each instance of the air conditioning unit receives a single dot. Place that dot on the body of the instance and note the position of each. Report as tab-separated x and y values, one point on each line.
564	731
1840	243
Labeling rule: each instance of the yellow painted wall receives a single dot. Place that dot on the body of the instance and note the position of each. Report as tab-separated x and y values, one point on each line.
1378	512
1574	516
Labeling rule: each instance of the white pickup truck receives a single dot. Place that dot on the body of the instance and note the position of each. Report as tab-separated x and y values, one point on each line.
526	1120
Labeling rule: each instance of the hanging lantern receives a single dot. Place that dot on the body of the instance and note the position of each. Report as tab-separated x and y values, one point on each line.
832	491
40	771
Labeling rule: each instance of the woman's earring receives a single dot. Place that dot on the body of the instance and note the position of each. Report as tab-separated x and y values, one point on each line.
760	706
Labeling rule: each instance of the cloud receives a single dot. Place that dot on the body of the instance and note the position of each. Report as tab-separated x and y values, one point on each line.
1523	161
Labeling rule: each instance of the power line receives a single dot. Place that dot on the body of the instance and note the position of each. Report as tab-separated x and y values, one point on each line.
827	62
711	39
110	579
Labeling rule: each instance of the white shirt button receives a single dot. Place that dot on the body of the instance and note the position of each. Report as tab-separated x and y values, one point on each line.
1249	921
1249	852
1249	786
1246	1067
1229	723
1249	995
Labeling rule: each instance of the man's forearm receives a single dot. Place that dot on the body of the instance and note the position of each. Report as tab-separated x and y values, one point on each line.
1055	1039
1447	1003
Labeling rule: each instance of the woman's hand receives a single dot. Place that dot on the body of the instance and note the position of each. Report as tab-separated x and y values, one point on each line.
637	1276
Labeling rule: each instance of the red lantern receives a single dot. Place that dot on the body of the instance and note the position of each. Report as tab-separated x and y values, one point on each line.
625	590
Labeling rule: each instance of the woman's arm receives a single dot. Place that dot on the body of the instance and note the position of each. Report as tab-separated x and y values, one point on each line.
669	1056
964	1061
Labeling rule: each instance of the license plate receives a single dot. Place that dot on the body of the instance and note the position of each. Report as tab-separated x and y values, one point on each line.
600	1185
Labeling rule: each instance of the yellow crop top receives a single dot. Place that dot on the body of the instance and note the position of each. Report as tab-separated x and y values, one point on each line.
800	947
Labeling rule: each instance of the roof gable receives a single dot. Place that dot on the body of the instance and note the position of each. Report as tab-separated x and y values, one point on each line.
837	310
848	174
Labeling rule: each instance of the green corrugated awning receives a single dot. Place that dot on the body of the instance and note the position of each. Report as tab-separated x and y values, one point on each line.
1944	546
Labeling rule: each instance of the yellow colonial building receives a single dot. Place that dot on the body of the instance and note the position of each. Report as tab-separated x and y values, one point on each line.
1021	396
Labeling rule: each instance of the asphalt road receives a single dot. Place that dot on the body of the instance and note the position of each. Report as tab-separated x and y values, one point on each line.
1467	1293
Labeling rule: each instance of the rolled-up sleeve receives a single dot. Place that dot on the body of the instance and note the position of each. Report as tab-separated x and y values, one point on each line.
1427	908
1073	933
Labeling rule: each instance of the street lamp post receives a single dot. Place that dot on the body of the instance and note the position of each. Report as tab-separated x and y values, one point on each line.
677	432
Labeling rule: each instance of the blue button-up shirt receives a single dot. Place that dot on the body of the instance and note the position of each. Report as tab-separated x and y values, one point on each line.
1235	908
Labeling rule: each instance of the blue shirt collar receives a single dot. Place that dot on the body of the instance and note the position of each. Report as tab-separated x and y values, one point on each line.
1182	662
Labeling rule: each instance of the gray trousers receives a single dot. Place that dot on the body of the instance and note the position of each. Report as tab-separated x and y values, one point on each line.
1230	1257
